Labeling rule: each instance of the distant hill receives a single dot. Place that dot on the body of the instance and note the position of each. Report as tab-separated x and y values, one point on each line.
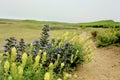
102	23
96	24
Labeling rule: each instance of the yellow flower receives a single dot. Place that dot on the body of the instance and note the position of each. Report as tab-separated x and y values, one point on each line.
51	66
20	70
47	76
10	78
75	76
24	59
44	57
66	76
62	65
56	63
60	44
6	66
37	58
72	58
58	56
41	66
39	53
36	61
59	79
76	54
13	54
13	50
13	69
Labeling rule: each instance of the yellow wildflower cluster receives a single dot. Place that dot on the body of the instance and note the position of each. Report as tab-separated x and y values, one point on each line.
47	76
20	70
67	76
44	57
14	69
24	59
13	54
37	59
6	67
62	65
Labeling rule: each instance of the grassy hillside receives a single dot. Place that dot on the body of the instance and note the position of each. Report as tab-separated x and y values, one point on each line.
97	24
100	24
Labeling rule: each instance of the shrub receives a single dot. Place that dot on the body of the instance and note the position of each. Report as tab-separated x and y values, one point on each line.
108	38
94	33
43	59
118	38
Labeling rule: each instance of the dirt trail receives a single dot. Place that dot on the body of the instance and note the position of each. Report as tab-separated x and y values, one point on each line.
104	66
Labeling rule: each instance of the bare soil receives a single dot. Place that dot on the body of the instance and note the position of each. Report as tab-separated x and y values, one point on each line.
104	66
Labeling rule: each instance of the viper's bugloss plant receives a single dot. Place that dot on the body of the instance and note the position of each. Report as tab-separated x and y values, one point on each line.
11	42
44	59
44	36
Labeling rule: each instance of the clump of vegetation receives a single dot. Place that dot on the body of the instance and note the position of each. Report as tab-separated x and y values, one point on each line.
108	38
100	24
94	33
43	59
117	43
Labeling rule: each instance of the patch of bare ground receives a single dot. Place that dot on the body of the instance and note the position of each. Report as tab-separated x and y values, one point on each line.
104	66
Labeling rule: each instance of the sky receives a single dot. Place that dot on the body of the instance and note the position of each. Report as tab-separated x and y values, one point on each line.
61	10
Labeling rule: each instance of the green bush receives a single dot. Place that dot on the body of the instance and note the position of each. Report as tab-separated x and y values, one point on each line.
43	59
118	38
108	38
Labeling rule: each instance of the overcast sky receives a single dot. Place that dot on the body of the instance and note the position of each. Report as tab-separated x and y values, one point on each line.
61	10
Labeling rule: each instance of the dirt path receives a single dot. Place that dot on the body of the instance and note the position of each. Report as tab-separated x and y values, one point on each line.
104	66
